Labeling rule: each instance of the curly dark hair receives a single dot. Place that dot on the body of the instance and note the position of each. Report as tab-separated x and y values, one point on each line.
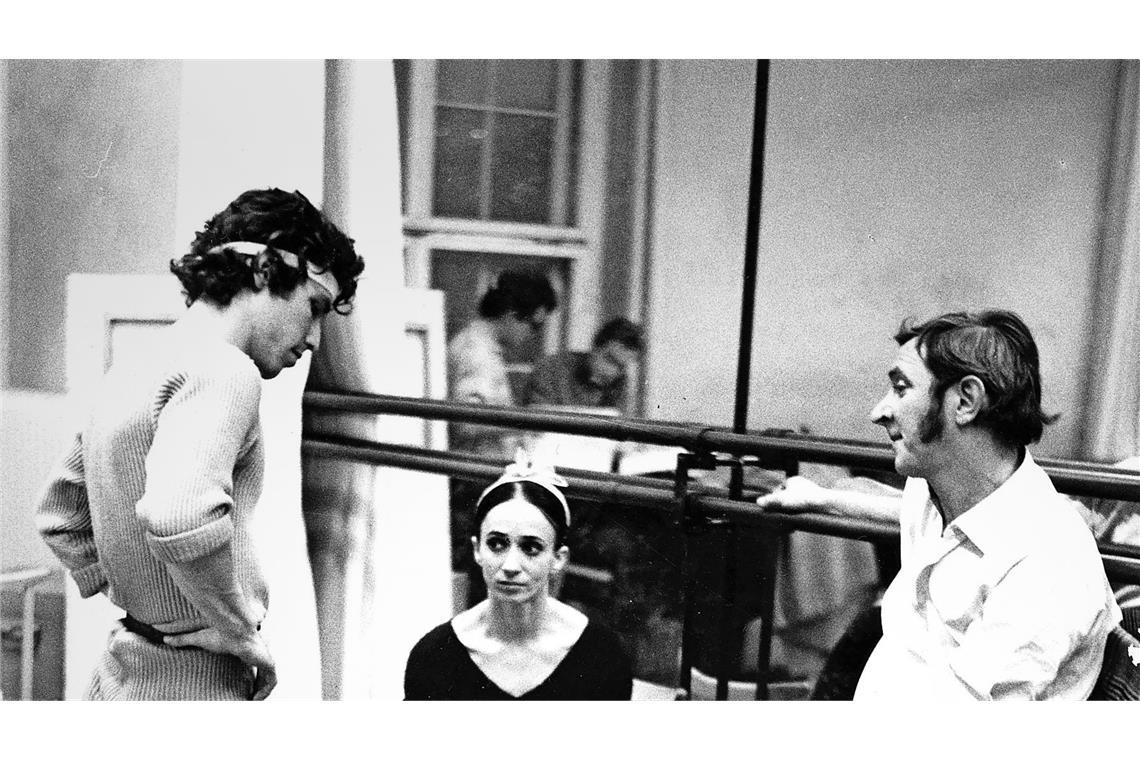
997	347
283	221
622	331
519	291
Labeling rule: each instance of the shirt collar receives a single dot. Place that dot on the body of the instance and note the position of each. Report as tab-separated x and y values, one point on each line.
999	522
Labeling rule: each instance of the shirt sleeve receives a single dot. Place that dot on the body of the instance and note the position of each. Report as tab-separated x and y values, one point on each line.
1032	622
201	432
63	518
476	377
472	375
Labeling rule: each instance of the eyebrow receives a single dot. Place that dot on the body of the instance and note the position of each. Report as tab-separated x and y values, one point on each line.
523	537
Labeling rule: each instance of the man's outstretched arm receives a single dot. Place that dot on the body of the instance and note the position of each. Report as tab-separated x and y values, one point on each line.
802	495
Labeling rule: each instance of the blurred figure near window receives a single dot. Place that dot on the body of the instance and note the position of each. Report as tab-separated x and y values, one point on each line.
594	378
511	312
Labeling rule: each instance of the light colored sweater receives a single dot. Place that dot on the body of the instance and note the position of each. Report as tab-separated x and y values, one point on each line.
167	469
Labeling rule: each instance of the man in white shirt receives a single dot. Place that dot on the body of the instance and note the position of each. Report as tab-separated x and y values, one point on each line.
1002	592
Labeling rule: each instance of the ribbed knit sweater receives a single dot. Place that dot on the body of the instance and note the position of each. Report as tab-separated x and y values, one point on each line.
167	469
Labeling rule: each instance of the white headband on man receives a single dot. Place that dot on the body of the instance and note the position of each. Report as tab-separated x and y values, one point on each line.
523	470
324	279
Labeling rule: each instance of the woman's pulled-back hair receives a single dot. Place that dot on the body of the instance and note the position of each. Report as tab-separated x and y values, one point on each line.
283	221
532	493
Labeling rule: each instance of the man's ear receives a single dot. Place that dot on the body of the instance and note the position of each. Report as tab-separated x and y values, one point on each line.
971	399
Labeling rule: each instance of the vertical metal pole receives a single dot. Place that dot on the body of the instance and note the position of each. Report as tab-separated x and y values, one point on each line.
744	359
729	646
681	492
28	645
771	546
751	249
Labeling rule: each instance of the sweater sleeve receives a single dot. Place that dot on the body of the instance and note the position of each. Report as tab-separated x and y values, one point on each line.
63	519
203	422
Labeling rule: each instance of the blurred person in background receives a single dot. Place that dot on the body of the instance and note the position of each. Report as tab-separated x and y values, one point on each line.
594	378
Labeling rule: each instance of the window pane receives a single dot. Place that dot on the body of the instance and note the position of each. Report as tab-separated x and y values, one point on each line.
526	84
459	138
462	81
520	168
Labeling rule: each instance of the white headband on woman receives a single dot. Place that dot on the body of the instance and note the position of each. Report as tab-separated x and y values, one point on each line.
522	470
245	248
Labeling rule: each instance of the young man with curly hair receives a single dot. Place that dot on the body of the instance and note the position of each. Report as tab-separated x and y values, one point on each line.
153	504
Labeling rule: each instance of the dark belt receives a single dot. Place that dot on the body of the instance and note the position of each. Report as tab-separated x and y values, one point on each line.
148	632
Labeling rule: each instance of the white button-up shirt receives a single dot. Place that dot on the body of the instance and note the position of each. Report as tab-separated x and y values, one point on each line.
1009	601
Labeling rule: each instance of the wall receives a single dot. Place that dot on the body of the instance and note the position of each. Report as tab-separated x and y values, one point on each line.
891	189
700	179
5	275
621	186
92	149
88	165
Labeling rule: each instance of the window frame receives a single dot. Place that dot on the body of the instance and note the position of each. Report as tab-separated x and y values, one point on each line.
577	244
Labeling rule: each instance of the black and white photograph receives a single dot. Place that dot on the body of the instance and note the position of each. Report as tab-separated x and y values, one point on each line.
378	380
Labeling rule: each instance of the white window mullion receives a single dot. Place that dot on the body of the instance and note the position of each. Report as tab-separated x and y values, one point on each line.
560	183
593	133
489	124
421	140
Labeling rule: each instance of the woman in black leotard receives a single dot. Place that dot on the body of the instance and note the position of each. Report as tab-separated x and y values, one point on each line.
519	643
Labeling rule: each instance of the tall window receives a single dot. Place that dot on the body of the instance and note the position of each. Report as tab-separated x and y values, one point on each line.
499	173
505	141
